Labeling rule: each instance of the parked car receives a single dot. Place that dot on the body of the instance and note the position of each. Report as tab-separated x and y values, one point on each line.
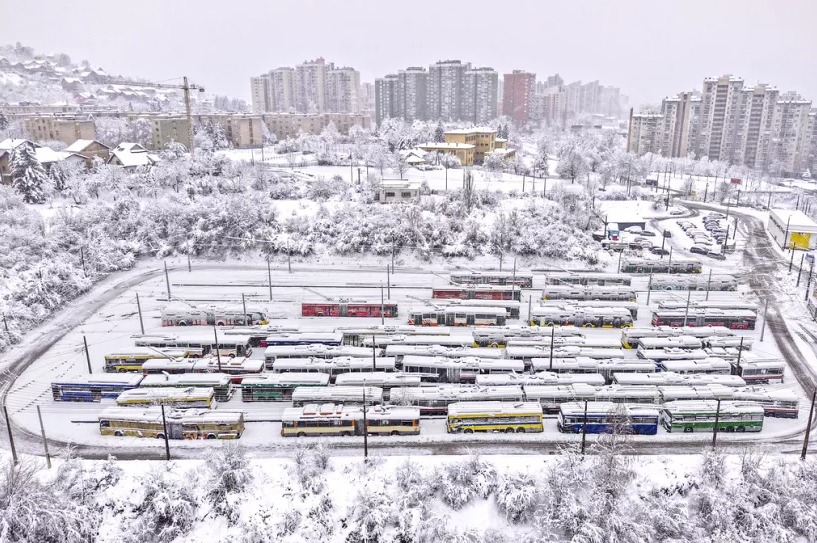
716	255
677	212
699	249
633	229
659	251
648	233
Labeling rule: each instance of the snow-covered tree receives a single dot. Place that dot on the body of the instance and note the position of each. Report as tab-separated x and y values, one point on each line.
139	131
110	131
228	474
493	162
439	133
27	174
167	508
399	163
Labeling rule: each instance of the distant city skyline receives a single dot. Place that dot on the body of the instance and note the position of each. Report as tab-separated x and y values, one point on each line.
649	50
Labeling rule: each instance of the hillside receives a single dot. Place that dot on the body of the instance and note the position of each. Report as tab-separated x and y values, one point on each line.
29	78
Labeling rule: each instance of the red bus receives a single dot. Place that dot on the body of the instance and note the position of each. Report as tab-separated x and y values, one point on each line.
347	309
477	292
732	319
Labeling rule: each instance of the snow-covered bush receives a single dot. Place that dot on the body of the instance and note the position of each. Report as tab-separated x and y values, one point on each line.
165	508
517	496
227	475
465	480
371	513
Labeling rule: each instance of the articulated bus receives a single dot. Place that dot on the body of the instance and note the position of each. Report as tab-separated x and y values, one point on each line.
599	417
401	351
500	336
187	424
203	339
697	305
551	397
346	420
699	416
181	398
671	353
381	379
438	369
220	383
458	340
458	316
579	278
668	378
93	388
643	265
279	386
355	335
237	368
734	319
474	292
694	282
303	338
470	417
434	400
709	365
630	337
538	378
273	353
333	366
592	293
133	359
347	395
348	309
523	280
187	316
587	317
512	308
605	368
566	341
579	305
527	354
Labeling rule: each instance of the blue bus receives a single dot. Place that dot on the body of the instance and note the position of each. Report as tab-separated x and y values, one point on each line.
94	388
608	417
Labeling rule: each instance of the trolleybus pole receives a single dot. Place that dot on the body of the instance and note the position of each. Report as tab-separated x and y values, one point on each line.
382	311
649	289
708	282
365	429
765	310
374	356
552	336
800	269
808	426
388	280
11	436
45	441
808	282
530	301
87	356
167	281
244	306
686	312
218	351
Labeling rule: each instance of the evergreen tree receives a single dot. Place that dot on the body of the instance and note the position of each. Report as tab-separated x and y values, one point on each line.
439	133
28	175
4	122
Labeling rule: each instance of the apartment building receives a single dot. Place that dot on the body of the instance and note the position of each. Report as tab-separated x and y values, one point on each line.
479	95
757	125
165	128
792	135
517	94
412	94
549	106
260	93
644	133
483	139
386	98
281	89
64	129
343	90
243	130
445	89
367	98
285	125
310	85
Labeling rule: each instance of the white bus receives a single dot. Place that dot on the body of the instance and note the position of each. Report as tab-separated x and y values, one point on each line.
672	353
440	369
458	316
776	402
630	337
459	340
668	378
499	336
679	342
271	354
567	341
334	366
706	365
674	281
180	398
352	395
347	420
699	416
355	335
220	382
607	293
382	379
434	400
582	316
697	392
198	338
401	351
582	278
540	378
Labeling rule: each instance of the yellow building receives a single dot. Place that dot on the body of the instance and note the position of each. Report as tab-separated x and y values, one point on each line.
463	151
483	139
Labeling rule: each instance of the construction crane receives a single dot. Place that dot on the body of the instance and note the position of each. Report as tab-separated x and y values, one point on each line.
185	86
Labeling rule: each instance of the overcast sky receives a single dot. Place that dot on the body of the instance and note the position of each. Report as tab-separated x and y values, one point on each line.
649	48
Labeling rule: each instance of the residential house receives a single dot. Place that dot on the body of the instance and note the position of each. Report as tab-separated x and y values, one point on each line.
131	156
90	149
391	191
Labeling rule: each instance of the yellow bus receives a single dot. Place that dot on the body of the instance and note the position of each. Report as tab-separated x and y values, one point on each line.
188	424
182	398
132	359
508	417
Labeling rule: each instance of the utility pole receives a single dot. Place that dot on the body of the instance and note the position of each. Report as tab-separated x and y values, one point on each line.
766	310
139	310
365	429
244	306
649	289
669	266
87	355
189	266
374	355
715	427
269	279
708	282
218	350
808	426
552	338
530	302
289	258
584	427
164	430
11	436
382	307
82	259
808	283
785	234
167	281
686	312
45	441
791	261
5	323
620	254
800	269
388	281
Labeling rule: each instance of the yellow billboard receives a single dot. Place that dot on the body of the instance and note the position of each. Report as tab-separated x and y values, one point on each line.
799	240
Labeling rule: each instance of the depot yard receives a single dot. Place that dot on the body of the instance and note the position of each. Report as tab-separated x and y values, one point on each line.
508	363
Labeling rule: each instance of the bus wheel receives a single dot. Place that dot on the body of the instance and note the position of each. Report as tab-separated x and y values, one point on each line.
211	436
741	428
182	323
232	355
395	433
119	433
688	430
160	436
508	430
589	325
300	434
346	434
122	370
520	430
468	431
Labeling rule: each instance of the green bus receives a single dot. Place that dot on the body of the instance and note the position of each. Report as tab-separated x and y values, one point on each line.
699	416
279	386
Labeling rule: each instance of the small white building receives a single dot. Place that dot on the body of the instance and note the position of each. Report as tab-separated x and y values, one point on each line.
131	156
792	229
396	190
